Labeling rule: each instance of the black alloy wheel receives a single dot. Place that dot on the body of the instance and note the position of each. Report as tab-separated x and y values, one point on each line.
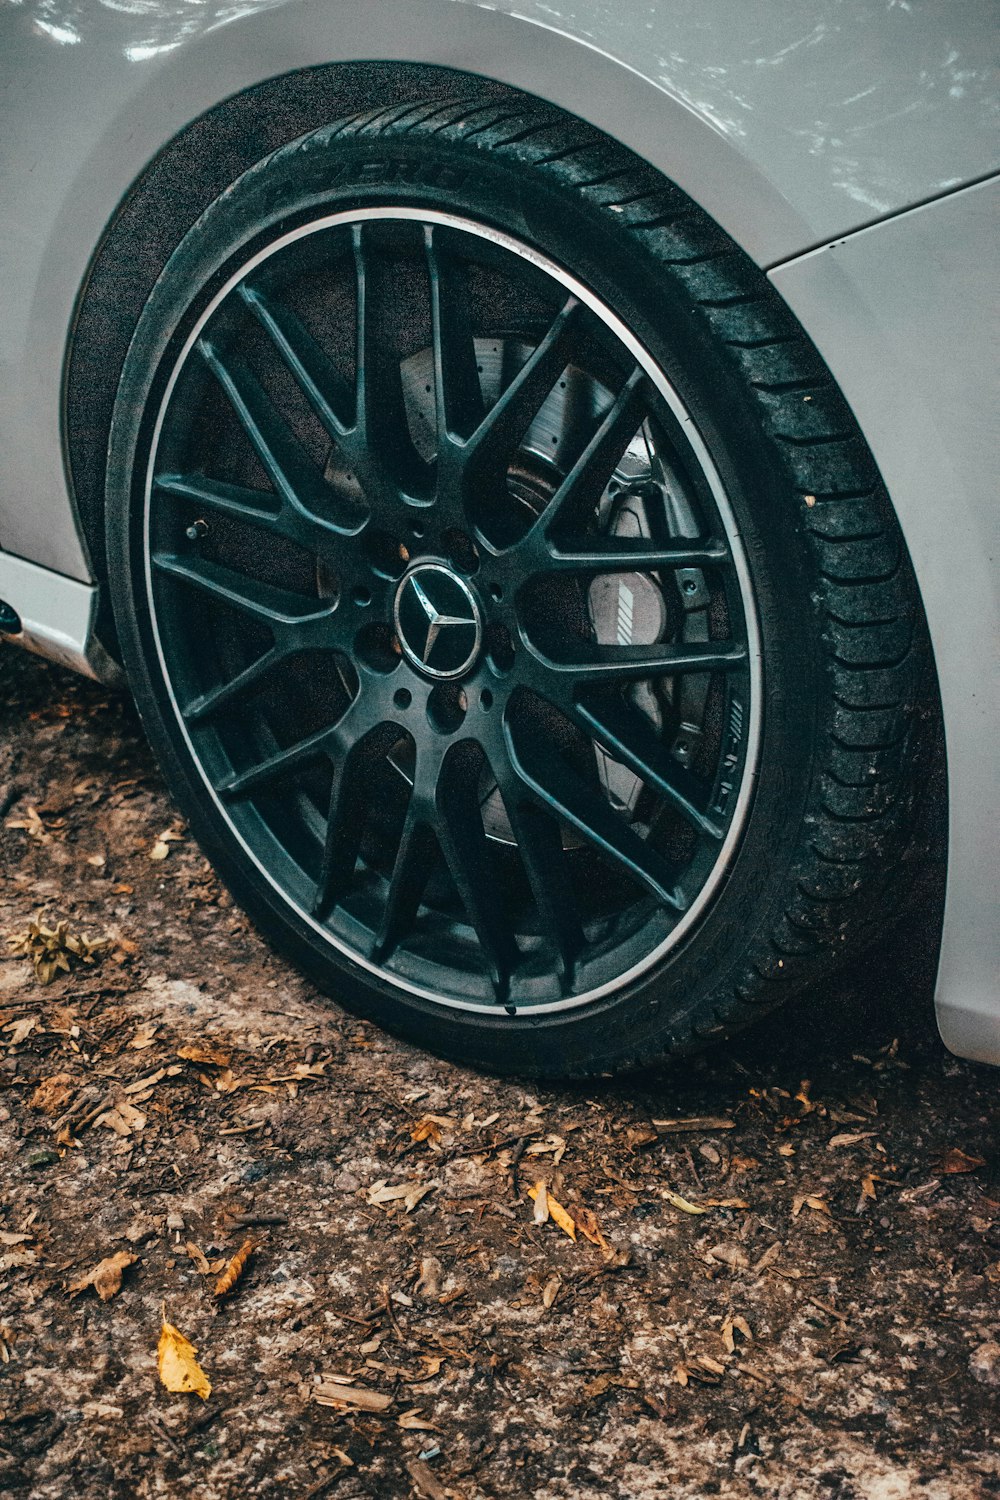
431	574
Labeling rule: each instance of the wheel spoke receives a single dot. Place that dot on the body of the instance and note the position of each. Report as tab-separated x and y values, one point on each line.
239	503
539	844
560	789
626	554
468	856
328	394
629	738
381	440
207	704
298	483
351	801
279	765
495	440
632	663
293	617
578	495
415	859
457	392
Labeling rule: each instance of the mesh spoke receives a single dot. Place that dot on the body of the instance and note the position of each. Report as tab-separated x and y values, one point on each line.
212	702
468	856
496	439
457	392
539	845
563	791
296	479
413	866
606	664
387	459
292	615
630	739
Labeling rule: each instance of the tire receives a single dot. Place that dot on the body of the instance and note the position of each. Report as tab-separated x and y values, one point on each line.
540	907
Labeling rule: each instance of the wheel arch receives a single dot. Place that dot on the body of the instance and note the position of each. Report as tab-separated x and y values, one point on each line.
246	87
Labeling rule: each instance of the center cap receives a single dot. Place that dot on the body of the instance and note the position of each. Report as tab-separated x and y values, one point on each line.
437	620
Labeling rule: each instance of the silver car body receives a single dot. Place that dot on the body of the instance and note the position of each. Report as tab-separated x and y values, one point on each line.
851	149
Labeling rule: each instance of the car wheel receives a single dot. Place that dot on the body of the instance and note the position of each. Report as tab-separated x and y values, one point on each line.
508	595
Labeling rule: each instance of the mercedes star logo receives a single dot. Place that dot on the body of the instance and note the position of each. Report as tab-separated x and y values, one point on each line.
437	621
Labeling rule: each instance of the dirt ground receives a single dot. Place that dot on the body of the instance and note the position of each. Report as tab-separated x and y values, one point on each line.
785	1273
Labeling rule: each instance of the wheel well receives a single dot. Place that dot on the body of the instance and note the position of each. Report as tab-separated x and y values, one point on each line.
178	185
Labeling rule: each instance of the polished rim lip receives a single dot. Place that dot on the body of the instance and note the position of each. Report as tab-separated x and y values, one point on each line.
709	472
476	620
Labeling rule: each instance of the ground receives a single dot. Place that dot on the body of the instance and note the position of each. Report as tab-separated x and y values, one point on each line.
786	1262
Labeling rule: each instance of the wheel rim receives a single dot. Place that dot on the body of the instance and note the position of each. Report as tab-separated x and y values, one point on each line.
530	809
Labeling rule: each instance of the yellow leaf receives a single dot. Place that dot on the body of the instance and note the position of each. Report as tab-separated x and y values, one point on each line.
178	1367
212	1056
676	1201
556	1211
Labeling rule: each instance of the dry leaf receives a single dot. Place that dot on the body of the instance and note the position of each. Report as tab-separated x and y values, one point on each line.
106	1276
586	1222
122	1118
53	1094
955	1161
810	1200
200	1263
20	1030
234	1270
415	1421
144	1036
178	1366
161	846
210	1056
676	1201
803	1097
848	1139
735	1323
51	948
409	1193
554	1210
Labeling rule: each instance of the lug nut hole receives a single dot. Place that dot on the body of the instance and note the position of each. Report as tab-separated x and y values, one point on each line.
461	551
446	707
